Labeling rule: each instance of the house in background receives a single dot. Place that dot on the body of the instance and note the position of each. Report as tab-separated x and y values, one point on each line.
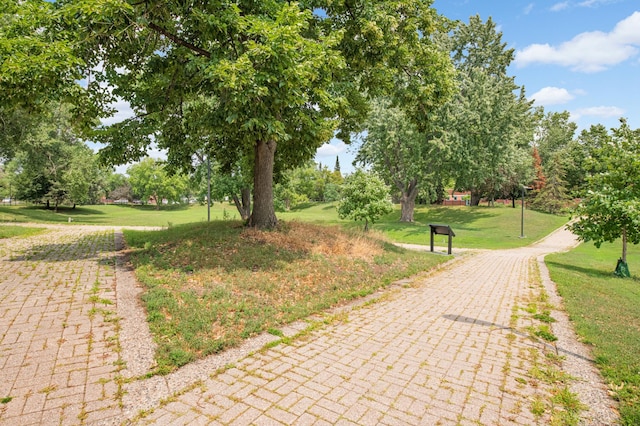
457	198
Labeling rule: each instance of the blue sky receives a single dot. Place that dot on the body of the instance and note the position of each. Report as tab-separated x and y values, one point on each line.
581	56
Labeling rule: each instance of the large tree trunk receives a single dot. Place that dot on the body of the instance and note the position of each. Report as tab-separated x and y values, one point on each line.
243	204
475	197
264	214
408	201
439	193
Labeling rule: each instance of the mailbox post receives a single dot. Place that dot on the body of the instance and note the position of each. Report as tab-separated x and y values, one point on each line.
442	230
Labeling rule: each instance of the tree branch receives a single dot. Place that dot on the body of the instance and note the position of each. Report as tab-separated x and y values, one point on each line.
180	41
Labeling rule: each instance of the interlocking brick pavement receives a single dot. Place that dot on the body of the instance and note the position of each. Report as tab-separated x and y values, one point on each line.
57	334
447	348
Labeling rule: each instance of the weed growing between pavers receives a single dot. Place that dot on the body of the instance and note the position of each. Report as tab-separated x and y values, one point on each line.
560	405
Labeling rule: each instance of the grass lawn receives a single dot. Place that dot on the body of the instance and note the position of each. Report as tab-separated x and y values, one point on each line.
8	231
210	285
606	312
475	227
118	215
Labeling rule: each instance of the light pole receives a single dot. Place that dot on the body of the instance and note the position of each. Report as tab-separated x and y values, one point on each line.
524	190
208	189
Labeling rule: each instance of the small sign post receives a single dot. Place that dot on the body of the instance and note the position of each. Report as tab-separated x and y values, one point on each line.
442	230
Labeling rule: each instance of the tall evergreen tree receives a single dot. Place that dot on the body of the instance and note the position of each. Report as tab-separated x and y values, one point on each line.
489	118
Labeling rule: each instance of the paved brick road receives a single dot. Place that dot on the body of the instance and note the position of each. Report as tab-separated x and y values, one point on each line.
449	348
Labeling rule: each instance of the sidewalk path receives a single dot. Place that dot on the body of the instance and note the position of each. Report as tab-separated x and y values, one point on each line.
448	348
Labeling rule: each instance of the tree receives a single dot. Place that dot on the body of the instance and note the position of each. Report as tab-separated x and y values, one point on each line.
231	180
554	132
309	183
150	181
541	180
405	158
81	176
611	206
52	164
118	187
554	139
336	168
268	81
552	197
364	197
486	121
39	70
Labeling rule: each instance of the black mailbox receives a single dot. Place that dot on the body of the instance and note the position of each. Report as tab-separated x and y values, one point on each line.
441	230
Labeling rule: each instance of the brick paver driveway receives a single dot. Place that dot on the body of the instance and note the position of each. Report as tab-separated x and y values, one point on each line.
452	347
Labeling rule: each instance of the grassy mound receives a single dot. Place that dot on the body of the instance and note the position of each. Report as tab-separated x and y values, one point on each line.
208	286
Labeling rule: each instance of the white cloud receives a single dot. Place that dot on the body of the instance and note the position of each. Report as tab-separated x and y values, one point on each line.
528	9
560	6
552	96
590	51
595	3
332	149
600	111
586	3
123	111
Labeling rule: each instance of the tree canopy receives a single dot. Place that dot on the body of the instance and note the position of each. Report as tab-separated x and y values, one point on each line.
486	124
269	81
405	158
364	197
611	207
53	164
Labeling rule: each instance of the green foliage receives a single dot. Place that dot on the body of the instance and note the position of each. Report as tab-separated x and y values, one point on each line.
150	181
486	125
611	206
406	159
37	63
307	183
390	49
364	197
553	197
52	164
559	149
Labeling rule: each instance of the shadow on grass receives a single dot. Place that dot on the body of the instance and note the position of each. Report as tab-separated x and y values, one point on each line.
460	217
43	214
592	272
217	244
303	206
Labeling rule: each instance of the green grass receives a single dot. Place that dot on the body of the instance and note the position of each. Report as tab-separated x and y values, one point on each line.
606	312
475	227
7	231
117	215
210	285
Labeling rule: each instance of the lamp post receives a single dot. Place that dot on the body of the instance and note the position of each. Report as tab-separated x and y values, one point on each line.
208	189
524	190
